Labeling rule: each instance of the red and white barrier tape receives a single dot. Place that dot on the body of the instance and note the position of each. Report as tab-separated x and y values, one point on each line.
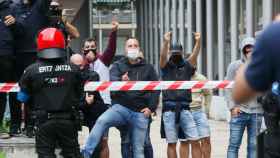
9	87
156	85
139	85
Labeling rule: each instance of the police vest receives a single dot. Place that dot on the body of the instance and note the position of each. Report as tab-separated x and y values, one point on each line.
55	87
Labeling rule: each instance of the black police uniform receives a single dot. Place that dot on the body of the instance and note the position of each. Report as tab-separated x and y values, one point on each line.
269	141
55	87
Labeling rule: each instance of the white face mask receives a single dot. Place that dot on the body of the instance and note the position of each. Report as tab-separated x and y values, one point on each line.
133	54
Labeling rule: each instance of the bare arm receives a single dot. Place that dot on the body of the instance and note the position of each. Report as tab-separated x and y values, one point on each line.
193	57
164	50
207	97
72	30
242	92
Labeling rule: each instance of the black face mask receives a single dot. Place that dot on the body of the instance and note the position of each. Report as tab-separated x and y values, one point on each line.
176	59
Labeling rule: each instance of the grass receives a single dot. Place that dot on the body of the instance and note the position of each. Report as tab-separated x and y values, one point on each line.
6	127
2	155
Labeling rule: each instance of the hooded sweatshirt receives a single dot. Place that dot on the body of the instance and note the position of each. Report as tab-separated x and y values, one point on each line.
253	106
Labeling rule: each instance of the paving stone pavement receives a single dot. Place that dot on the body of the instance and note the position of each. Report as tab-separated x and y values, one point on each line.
24	147
219	140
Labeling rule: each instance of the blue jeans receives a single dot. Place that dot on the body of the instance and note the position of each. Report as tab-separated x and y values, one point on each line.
237	127
126	144
119	115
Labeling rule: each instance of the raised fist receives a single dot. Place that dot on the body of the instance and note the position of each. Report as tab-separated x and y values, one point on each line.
197	36
167	36
115	25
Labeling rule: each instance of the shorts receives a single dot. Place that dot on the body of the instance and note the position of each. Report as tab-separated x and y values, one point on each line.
186	122
202	124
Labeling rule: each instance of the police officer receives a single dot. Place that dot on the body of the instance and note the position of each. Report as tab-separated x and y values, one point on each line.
268	145
55	87
32	16
259	76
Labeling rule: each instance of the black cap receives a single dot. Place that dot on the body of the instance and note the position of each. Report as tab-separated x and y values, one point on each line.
176	48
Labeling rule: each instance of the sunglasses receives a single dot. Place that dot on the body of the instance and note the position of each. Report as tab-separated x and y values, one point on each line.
86	51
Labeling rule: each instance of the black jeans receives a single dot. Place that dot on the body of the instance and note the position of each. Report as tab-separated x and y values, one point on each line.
57	131
7	71
271	143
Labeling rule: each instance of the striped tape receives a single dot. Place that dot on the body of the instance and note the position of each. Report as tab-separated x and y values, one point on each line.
139	85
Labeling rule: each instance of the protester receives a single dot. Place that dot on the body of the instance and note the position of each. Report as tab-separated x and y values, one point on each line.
176	109
100	62
92	105
243	116
126	137
129	108
200	98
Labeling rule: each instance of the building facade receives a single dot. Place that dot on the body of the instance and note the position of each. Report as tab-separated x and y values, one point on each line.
93	19
222	23
102	14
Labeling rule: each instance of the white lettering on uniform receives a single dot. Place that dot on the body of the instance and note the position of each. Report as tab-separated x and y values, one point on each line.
62	68
43	69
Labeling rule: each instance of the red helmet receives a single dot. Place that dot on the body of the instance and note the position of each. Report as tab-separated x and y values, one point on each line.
51	44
